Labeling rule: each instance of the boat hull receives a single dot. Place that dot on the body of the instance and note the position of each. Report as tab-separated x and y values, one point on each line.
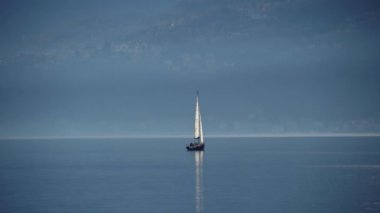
195	147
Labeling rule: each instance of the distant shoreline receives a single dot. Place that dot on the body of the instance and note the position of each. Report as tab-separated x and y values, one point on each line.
287	135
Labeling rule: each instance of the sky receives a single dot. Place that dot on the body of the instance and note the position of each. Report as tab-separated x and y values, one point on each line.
132	68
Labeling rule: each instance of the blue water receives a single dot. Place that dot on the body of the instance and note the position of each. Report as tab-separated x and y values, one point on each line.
158	175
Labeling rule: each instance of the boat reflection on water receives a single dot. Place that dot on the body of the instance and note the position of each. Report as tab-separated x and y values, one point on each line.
199	181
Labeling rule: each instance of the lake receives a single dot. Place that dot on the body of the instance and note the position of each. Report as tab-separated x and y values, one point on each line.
315	174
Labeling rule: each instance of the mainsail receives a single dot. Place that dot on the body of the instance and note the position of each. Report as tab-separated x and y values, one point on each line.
198	131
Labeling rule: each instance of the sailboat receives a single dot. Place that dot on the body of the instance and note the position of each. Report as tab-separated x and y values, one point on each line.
198	144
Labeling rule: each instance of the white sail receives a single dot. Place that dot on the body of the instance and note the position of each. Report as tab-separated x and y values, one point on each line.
198	130
197	120
198	144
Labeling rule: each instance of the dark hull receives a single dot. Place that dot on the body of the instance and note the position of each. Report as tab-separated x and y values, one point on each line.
195	147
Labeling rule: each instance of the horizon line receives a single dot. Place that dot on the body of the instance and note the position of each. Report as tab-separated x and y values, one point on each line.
266	135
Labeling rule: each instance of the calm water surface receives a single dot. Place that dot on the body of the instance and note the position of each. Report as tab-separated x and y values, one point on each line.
158	175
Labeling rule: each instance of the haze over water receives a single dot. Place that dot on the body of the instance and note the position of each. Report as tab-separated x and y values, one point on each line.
104	68
157	175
